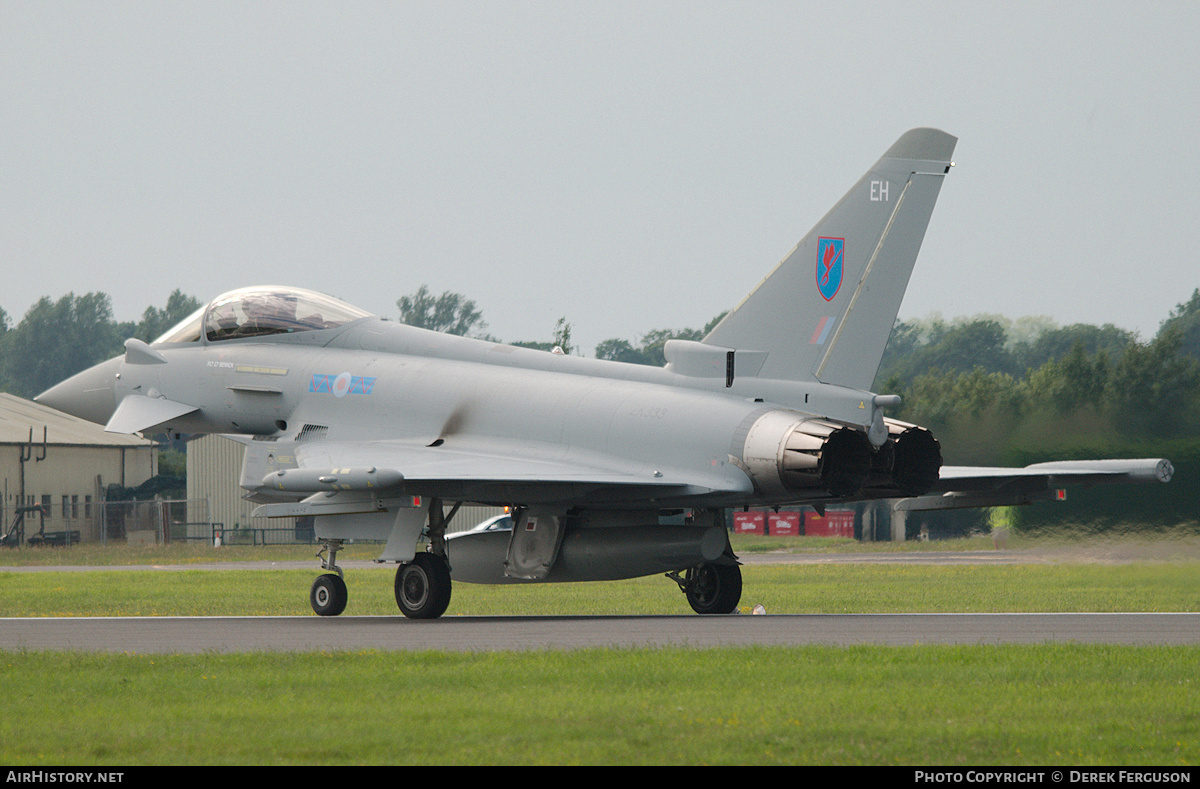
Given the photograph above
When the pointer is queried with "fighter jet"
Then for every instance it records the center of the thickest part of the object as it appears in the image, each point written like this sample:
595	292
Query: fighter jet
379	430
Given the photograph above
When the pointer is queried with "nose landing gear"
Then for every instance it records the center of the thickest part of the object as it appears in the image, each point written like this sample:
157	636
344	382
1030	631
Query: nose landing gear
328	595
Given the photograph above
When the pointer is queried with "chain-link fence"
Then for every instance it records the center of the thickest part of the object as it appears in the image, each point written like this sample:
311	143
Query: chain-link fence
71	521
47	521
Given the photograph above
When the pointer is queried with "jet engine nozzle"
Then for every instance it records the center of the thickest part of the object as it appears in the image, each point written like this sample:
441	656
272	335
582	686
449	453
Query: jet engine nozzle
917	458
909	463
785	453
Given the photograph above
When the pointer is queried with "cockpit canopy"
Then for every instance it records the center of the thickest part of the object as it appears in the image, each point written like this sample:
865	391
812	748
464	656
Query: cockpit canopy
259	311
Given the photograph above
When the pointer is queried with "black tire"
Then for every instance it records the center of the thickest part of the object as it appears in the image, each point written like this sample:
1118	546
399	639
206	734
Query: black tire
423	587
328	595
714	588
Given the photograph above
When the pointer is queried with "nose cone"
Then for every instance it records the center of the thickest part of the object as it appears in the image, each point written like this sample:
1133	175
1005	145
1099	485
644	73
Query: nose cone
88	395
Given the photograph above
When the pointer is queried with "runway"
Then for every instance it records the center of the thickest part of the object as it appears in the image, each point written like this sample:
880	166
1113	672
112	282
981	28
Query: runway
147	635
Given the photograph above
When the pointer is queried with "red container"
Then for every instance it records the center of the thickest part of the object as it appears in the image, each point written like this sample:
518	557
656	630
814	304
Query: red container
836	523
748	522
784	523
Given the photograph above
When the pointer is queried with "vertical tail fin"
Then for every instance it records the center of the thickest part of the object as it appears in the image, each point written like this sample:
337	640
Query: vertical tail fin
827	310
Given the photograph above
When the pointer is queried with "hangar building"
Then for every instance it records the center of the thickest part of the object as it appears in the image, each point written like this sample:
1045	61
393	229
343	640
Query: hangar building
63	465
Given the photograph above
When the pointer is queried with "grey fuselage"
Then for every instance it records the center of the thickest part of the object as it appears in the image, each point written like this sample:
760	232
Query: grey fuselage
685	434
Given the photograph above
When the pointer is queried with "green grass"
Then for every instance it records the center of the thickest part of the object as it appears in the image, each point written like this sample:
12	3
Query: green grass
790	589
925	705
1077	705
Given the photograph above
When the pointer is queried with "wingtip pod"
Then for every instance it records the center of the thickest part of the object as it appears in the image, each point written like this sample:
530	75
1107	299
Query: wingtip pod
1140	469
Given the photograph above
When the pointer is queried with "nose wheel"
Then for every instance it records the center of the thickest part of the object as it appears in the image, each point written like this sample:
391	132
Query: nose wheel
328	595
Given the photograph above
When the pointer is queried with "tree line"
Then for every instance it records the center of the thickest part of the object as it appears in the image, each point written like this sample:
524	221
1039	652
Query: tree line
991	387
57	339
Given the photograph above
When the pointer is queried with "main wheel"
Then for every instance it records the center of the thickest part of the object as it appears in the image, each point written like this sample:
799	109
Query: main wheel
714	588
423	587
328	595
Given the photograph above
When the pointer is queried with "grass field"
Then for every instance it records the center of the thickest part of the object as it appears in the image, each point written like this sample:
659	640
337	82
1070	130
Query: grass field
791	589
929	705
1059	705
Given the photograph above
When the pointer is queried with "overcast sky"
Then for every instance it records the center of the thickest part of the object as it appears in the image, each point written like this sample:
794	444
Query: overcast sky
629	166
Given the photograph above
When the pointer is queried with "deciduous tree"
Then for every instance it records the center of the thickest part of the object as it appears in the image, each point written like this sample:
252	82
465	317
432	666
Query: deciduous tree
451	313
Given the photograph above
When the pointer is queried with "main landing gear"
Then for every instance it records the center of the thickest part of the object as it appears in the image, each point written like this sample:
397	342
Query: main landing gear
423	587
711	588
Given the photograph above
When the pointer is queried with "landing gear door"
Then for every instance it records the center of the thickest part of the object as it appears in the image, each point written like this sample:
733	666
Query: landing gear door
533	548
401	527
406	531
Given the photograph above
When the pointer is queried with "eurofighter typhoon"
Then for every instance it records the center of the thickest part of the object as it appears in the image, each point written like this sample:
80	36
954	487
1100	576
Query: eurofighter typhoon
379	430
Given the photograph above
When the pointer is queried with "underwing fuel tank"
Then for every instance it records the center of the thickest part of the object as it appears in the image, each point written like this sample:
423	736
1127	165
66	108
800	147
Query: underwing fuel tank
786	453
591	553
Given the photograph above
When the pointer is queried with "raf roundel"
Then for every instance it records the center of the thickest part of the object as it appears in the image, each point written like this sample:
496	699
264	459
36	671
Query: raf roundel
341	385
